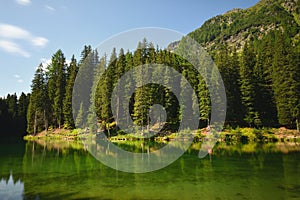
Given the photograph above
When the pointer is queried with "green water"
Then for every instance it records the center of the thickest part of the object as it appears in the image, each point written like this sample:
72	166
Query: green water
64	170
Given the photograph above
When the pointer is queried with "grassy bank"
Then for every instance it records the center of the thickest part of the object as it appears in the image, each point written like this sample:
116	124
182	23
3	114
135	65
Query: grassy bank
227	135
58	134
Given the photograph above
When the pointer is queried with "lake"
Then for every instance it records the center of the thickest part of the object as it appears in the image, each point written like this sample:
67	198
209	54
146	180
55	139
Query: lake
65	170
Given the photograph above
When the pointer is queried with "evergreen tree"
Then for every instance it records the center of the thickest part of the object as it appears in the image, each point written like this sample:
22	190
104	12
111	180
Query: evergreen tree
92	116
286	85
247	81
104	92
229	68
79	118
23	103
204	102
36	114
12	103
234	92
67	102
87	49
139	115
265	97
82	90
186	107
129	82
120	69
59	78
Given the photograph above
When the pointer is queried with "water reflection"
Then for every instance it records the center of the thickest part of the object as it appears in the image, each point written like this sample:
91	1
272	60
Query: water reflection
145	146
11	189
66	170
136	156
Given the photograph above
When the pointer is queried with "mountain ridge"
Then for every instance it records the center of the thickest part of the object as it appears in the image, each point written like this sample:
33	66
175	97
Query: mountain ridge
238	26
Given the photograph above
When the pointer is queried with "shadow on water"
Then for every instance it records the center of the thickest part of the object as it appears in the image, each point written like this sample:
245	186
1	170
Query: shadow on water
66	170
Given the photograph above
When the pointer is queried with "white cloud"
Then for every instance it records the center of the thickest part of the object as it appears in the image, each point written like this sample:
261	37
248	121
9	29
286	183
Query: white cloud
39	41
12	47
10	33
18	77
49	8
23	2
13	32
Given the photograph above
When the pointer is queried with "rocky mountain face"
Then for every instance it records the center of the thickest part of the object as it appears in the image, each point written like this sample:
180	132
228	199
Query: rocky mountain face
238	26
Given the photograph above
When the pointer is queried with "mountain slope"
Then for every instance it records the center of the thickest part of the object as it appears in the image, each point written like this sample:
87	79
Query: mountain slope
237	26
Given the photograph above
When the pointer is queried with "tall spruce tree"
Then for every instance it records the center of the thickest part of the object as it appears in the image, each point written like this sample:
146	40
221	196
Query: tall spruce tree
36	114
12	103
265	97
82	89
23	103
92	113
56	87
286	84
67	101
120	69
228	66
248	92
139	116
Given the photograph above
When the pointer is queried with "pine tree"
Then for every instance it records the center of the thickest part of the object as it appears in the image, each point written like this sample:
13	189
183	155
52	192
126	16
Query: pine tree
265	102
36	114
104	91
229	69
23	103
234	101
79	117
83	87
204	102
67	101
247	81
120	69
87	49
12	102
139	116
92	114
285	78
59	78
129	83
186	108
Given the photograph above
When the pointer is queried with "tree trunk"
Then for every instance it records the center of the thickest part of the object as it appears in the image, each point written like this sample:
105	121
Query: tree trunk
108	131
45	122
35	123
59	124
148	123
117	117
297	125
159	120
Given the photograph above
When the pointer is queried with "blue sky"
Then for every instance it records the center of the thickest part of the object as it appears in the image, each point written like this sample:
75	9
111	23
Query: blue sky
31	31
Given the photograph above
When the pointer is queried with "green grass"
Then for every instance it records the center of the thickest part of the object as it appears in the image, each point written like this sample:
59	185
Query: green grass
229	134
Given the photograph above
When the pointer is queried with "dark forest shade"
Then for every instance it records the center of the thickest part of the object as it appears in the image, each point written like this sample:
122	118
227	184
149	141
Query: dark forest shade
13	111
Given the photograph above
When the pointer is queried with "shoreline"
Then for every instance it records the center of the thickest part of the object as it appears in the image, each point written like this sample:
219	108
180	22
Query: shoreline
227	135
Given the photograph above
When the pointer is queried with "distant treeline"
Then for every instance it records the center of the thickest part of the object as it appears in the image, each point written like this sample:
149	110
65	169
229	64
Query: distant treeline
13	112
